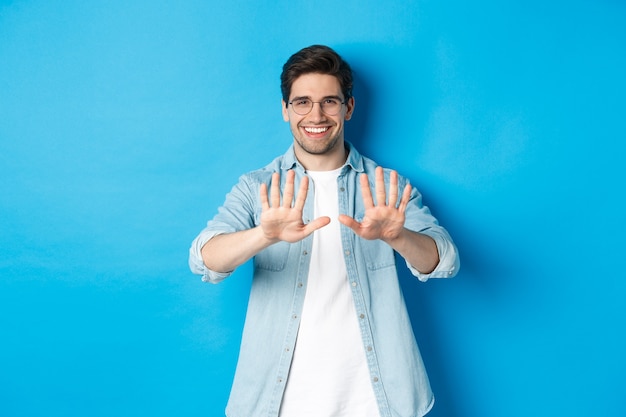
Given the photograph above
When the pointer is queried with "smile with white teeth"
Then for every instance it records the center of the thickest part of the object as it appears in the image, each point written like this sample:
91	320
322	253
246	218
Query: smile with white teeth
316	129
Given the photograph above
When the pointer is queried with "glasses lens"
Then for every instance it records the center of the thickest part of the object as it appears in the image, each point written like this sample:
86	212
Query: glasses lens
330	106
302	106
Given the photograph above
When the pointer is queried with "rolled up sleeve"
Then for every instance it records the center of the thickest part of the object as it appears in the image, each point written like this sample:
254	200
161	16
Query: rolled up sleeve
196	264
449	261
237	213
419	219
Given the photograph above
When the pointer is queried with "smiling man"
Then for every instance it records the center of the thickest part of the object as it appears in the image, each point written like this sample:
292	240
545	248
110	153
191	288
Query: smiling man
318	129
327	333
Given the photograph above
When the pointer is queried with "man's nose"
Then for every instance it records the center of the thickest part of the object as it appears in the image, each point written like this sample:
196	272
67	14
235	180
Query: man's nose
317	112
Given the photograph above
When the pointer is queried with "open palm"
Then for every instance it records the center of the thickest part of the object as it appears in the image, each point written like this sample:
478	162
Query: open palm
383	219
283	221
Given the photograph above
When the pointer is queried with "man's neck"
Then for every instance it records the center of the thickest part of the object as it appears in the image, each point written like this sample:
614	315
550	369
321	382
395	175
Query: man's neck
324	162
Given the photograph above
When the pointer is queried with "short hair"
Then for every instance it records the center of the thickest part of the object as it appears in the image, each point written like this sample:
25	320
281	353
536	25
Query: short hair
317	59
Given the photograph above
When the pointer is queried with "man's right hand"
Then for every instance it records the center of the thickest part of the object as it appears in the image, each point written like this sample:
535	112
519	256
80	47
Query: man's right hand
279	222
283	221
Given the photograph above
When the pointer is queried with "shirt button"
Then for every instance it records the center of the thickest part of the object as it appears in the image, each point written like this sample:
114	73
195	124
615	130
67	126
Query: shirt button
342	189
362	316
299	285
347	253
369	348
295	316
354	283
305	253
375	379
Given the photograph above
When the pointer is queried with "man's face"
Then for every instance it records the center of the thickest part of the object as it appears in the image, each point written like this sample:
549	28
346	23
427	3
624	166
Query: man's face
317	133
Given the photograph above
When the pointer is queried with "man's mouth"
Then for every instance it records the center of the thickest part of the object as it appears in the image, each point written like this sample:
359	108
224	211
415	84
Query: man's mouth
316	130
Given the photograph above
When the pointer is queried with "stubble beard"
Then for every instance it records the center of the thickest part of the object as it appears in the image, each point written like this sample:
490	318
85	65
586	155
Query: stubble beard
321	149
314	147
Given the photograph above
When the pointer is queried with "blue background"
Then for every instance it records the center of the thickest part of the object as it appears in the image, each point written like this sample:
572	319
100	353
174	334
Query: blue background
124	123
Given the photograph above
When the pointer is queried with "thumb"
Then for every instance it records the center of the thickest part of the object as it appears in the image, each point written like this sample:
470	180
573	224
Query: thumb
316	224
349	222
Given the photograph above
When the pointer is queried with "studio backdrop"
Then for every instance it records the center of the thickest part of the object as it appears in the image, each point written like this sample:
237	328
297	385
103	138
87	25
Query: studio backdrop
123	124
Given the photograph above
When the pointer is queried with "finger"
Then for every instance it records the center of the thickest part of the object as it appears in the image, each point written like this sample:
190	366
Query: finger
275	190
393	188
264	201
288	192
406	196
381	199
302	192
368	201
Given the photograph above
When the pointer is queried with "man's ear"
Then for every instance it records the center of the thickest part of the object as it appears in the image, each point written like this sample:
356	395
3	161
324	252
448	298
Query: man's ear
285	111
349	108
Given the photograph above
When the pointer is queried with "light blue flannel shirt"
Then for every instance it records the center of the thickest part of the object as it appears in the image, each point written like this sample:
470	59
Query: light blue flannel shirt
279	284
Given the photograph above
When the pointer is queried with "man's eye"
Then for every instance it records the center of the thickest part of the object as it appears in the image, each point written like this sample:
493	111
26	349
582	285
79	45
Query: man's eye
301	103
331	101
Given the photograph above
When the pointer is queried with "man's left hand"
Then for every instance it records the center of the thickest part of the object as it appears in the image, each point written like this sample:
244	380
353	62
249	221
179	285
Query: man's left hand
383	219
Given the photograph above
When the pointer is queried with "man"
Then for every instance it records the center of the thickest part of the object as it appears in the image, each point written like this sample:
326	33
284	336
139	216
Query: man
327	332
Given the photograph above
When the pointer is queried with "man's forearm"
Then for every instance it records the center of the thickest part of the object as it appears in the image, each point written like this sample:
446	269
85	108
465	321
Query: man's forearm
224	253
417	249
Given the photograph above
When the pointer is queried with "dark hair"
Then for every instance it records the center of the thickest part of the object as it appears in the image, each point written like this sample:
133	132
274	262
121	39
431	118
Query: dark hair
318	59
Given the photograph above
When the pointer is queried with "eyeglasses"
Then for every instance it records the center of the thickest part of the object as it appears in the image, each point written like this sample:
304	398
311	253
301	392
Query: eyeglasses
330	106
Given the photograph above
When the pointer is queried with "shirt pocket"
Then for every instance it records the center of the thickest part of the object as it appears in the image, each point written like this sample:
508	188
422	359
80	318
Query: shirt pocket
274	258
377	253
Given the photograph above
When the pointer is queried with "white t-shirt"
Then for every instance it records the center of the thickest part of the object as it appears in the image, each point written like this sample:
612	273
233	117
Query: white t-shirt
329	376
